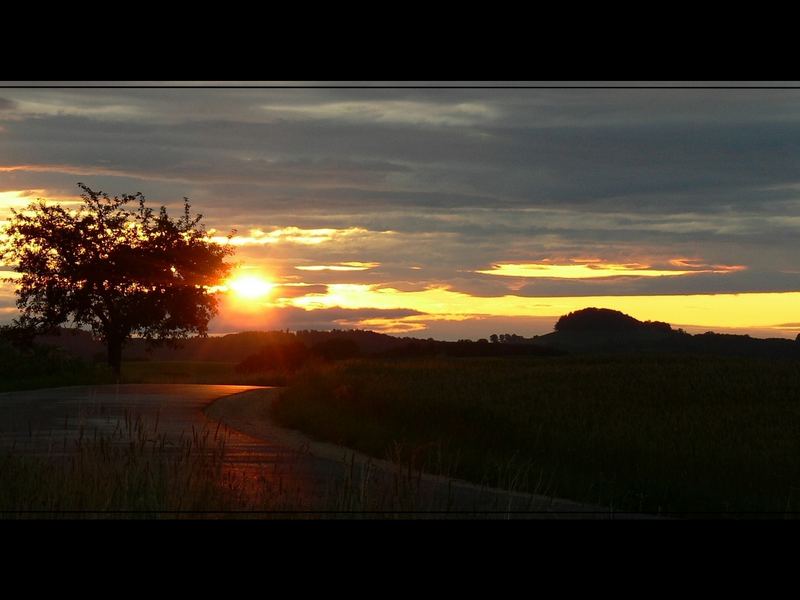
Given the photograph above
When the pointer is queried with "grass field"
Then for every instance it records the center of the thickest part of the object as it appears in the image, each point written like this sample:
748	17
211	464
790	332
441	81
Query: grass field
646	433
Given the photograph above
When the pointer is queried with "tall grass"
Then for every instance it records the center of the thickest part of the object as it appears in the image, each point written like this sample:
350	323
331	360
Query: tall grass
645	433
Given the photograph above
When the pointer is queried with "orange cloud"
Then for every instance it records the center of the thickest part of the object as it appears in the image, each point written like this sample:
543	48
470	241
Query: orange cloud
697	263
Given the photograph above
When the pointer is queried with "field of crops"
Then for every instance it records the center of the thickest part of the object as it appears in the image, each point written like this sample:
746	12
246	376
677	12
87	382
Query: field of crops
648	433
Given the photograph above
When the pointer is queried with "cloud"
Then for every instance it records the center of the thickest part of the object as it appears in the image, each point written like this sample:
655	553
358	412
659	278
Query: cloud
6	104
294	318
391	111
701	283
290	235
626	164
555	168
594	268
348	266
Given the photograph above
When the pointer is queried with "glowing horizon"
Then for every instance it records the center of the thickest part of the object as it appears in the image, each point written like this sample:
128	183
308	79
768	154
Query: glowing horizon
739	310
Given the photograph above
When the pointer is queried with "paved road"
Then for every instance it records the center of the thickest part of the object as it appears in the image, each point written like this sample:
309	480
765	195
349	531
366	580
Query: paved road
48	423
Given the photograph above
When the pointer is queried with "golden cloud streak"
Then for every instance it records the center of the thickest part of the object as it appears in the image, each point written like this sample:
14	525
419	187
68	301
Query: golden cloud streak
346	266
594	268
292	235
66	169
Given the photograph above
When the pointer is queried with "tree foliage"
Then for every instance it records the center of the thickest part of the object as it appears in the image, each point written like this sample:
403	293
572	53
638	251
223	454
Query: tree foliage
116	266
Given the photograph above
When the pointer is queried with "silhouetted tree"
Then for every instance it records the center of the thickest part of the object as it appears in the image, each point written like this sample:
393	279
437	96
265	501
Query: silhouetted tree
509	338
120	271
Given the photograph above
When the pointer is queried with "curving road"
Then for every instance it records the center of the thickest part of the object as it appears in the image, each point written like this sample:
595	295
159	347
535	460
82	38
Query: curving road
48	422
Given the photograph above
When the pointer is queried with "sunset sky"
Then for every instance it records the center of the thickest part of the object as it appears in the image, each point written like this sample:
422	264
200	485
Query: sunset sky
448	213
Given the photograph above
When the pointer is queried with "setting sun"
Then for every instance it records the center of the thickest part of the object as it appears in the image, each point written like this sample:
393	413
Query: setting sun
250	287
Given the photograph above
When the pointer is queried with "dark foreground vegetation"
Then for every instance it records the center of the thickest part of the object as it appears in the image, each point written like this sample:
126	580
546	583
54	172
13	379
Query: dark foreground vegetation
45	367
655	433
606	410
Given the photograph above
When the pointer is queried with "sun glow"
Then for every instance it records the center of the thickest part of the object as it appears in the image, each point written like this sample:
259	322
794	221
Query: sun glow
249	286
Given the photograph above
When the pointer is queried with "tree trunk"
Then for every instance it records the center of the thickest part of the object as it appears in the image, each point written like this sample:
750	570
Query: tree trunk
115	356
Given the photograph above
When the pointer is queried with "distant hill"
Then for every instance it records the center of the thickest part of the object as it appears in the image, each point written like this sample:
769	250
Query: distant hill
606	320
605	330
